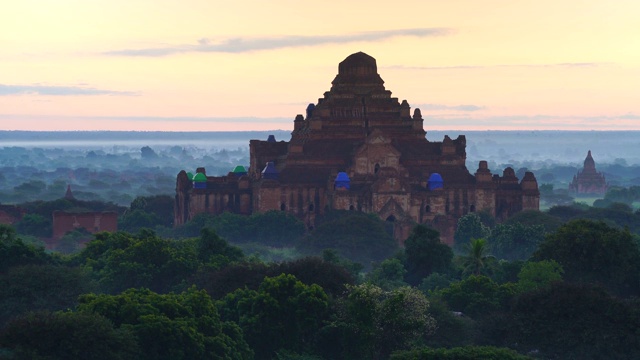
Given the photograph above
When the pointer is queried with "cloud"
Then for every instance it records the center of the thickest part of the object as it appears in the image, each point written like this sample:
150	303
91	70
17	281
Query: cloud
533	122
52	90
153	119
241	45
471	67
429	107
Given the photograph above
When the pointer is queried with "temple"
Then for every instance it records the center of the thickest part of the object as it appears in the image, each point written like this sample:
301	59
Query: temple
588	181
358	148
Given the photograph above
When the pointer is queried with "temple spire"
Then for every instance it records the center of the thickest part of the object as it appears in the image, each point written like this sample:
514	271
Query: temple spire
69	195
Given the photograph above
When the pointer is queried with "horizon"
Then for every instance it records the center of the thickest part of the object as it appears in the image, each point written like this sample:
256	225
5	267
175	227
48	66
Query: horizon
201	66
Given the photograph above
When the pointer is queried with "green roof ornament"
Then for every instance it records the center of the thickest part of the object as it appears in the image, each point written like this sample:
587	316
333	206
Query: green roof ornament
240	169
200	177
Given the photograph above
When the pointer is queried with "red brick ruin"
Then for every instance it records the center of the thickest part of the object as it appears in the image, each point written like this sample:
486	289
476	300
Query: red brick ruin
358	148
93	222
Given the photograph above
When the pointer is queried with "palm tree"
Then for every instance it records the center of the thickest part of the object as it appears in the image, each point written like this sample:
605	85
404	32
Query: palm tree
476	259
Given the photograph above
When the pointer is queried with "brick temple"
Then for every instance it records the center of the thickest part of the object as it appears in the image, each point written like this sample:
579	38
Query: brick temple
588	181
358	148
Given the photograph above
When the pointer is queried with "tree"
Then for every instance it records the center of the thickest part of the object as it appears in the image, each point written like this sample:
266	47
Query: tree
214	251
283	313
535	275
469	227
121	260
159	207
147	153
41	287
477	259
515	241
533	217
388	275
460	353
476	296
171	326
14	252
594	253
138	219
370	323
565	321
34	224
67	335
425	254
357	236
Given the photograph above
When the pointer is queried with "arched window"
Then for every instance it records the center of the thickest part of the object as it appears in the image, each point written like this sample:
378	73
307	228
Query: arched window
376	168
472	208
427	209
351	207
283	207
311	207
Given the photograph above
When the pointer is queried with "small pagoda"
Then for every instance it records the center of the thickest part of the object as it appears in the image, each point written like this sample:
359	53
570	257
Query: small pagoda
588	181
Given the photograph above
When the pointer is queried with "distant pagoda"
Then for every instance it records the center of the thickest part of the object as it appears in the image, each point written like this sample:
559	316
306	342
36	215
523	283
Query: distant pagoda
588	181
69	195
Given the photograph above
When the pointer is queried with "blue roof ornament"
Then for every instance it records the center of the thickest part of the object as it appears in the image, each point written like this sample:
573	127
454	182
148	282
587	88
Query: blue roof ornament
435	182
270	172
342	181
200	181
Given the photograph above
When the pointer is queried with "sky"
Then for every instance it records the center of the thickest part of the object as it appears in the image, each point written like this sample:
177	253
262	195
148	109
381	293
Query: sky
209	65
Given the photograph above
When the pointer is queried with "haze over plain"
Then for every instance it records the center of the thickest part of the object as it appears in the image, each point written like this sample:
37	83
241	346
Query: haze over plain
253	65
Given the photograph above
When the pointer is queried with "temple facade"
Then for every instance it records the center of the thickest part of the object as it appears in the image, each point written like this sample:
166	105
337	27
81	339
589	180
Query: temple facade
588	181
360	149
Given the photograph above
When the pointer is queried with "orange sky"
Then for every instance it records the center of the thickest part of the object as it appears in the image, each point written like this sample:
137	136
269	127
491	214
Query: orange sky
202	65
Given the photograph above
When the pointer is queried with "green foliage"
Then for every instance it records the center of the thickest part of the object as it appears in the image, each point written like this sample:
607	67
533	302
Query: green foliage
332	256
469	227
515	241
592	252
34	224
14	252
68	335
41	287
273	228
138	219
157	207
310	270
171	326
535	275
388	275
452	330
121	261
425	254
71	241
476	296
214	251
565	321
477	261
533	217
357	236
31	187
283	313
435	281
370	323
460	353
622	194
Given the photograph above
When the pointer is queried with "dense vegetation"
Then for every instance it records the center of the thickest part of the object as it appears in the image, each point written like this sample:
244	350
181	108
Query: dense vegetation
556	284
